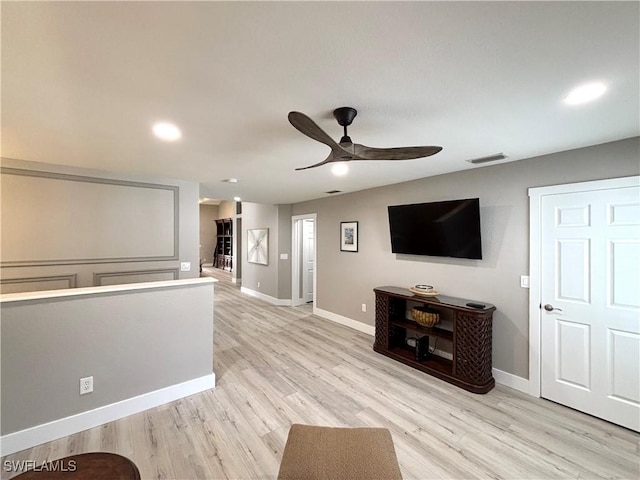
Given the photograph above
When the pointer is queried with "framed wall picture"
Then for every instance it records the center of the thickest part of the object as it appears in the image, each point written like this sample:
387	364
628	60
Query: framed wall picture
349	236
258	246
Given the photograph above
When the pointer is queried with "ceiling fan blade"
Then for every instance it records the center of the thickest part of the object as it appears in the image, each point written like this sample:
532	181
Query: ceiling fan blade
362	152
329	159
308	127
346	150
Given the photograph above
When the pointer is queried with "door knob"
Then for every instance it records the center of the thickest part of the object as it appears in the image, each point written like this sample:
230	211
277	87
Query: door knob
550	308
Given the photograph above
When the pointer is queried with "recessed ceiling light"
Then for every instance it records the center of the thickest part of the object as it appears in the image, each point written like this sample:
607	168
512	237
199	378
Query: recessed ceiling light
237	199
167	131
339	169
585	93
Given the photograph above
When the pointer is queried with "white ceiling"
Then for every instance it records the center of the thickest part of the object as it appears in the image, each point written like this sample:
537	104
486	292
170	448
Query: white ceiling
82	83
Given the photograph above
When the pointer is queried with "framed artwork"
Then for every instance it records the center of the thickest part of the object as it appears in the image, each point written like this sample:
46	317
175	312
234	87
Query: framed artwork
349	236
258	246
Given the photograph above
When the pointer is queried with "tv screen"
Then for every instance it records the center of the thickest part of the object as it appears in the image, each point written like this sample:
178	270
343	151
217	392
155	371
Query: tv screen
441	229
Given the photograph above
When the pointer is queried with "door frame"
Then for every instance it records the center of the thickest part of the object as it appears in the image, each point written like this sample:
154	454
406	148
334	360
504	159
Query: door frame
296	253
536	195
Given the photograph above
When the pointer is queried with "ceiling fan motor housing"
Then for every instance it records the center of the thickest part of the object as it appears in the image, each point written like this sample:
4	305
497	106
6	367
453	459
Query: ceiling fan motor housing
344	116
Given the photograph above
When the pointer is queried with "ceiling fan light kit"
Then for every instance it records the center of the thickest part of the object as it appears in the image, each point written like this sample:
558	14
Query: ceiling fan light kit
340	169
346	150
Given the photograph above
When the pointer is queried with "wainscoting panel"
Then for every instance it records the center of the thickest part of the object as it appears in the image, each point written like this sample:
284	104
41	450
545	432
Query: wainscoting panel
117	278
60	219
30	284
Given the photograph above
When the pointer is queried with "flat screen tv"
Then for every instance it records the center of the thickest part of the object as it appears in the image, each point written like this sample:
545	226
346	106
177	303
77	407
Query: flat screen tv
441	229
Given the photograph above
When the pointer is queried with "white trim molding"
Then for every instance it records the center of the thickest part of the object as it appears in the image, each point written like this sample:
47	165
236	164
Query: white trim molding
30	437
510	380
347	322
280	302
124	288
535	218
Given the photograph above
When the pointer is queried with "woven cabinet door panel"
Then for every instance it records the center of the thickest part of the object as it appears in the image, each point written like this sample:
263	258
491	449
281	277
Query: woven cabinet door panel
382	324
473	344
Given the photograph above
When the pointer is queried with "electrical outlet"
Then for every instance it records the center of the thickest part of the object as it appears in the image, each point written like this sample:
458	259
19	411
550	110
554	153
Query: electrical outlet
185	266
364	307
86	385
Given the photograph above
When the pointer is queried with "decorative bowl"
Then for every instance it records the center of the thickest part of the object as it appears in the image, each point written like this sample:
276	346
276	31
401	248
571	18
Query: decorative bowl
425	316
424	293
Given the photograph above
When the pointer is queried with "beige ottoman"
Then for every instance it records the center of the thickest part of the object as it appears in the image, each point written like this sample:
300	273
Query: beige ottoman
326	453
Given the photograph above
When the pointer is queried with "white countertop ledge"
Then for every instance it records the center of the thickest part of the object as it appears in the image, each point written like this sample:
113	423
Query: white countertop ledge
88	291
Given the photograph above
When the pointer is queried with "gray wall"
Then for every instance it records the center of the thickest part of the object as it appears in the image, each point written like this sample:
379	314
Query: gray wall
256	215
208	216
69	227
345	280
132	342
284	247
274	278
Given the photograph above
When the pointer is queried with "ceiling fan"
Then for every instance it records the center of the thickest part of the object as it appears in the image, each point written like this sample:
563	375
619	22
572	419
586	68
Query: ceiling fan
346	150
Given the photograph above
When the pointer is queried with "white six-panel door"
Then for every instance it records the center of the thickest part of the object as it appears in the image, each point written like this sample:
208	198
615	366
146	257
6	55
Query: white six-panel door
590	302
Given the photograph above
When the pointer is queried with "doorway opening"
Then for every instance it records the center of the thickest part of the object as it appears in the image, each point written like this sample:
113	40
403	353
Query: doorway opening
303	259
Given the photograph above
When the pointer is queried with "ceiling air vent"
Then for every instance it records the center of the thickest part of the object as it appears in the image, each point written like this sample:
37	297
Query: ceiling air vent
490	158
331	192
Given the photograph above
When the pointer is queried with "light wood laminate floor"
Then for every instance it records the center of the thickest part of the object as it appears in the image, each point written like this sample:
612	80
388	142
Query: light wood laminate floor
279	365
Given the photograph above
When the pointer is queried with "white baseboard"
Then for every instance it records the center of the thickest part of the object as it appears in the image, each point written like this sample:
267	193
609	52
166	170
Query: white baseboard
511	380
280	302
30	437
347	322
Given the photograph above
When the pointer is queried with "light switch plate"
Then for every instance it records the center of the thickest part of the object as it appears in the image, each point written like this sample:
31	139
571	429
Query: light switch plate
524	281
284	256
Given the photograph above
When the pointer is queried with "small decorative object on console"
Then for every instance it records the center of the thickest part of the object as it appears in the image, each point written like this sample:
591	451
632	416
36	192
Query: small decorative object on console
425	316
424	290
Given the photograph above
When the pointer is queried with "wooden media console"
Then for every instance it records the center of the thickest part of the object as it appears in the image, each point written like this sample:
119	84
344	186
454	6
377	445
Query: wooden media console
467	330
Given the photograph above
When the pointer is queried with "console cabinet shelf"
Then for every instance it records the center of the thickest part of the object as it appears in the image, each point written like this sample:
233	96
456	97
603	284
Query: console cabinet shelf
466	329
